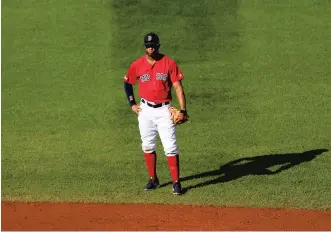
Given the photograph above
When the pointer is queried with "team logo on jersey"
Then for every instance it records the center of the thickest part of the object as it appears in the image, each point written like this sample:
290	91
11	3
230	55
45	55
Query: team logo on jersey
145	77
161	76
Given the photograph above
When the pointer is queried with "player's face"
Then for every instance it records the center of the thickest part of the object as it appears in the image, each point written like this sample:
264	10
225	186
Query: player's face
151	50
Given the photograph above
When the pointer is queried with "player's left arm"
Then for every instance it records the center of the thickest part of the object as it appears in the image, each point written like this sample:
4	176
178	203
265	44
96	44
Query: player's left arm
180	95
176	76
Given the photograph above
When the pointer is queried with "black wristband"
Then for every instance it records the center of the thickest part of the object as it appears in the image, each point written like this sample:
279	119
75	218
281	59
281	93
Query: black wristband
133	102
184	112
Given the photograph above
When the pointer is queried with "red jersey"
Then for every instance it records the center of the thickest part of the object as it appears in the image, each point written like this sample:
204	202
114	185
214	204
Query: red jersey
155	81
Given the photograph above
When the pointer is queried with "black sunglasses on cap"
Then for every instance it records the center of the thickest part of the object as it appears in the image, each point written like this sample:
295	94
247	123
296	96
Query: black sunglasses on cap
151	46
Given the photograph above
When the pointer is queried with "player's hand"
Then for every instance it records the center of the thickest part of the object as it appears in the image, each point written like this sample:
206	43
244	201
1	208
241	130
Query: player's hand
136	108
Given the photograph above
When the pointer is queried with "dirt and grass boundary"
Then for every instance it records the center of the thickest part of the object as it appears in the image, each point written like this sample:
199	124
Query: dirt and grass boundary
85	216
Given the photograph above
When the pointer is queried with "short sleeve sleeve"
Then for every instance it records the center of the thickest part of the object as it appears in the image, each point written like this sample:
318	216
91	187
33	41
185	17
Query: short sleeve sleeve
175	73
131	76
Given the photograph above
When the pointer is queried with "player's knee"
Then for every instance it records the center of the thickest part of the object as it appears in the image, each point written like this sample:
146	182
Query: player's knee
171	154
148	149
171	151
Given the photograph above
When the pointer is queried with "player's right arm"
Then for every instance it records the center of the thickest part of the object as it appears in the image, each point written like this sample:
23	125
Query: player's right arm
129	80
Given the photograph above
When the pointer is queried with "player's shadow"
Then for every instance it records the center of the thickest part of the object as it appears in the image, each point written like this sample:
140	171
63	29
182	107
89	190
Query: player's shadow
257	165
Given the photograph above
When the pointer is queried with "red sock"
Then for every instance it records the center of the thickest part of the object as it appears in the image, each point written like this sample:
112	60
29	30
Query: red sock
173	162
150	159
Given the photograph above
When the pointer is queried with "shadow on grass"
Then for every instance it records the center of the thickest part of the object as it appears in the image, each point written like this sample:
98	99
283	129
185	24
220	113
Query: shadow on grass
257	165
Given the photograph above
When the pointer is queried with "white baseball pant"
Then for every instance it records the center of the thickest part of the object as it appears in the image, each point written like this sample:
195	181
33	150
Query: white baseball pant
157	121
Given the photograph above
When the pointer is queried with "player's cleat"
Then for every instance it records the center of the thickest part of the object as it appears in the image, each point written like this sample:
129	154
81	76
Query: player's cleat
152	184
177	189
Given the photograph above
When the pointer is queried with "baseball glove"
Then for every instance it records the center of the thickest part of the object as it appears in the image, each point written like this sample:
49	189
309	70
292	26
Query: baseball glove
178	117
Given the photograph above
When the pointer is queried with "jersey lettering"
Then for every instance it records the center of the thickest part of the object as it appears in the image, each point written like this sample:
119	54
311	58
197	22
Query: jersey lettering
145	77
161	76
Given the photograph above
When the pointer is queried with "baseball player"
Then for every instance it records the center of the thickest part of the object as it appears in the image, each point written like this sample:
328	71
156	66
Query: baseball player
156	74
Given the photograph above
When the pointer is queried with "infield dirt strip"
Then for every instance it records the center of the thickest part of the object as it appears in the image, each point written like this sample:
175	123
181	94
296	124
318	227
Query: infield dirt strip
79	216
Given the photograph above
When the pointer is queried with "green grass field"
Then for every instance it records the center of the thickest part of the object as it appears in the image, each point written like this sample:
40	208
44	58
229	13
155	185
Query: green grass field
258	87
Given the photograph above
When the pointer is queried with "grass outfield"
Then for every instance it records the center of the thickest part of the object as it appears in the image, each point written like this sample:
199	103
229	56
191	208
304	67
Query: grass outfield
257	84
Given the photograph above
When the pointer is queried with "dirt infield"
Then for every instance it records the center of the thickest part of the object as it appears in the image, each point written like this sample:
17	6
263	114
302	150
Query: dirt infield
68	216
